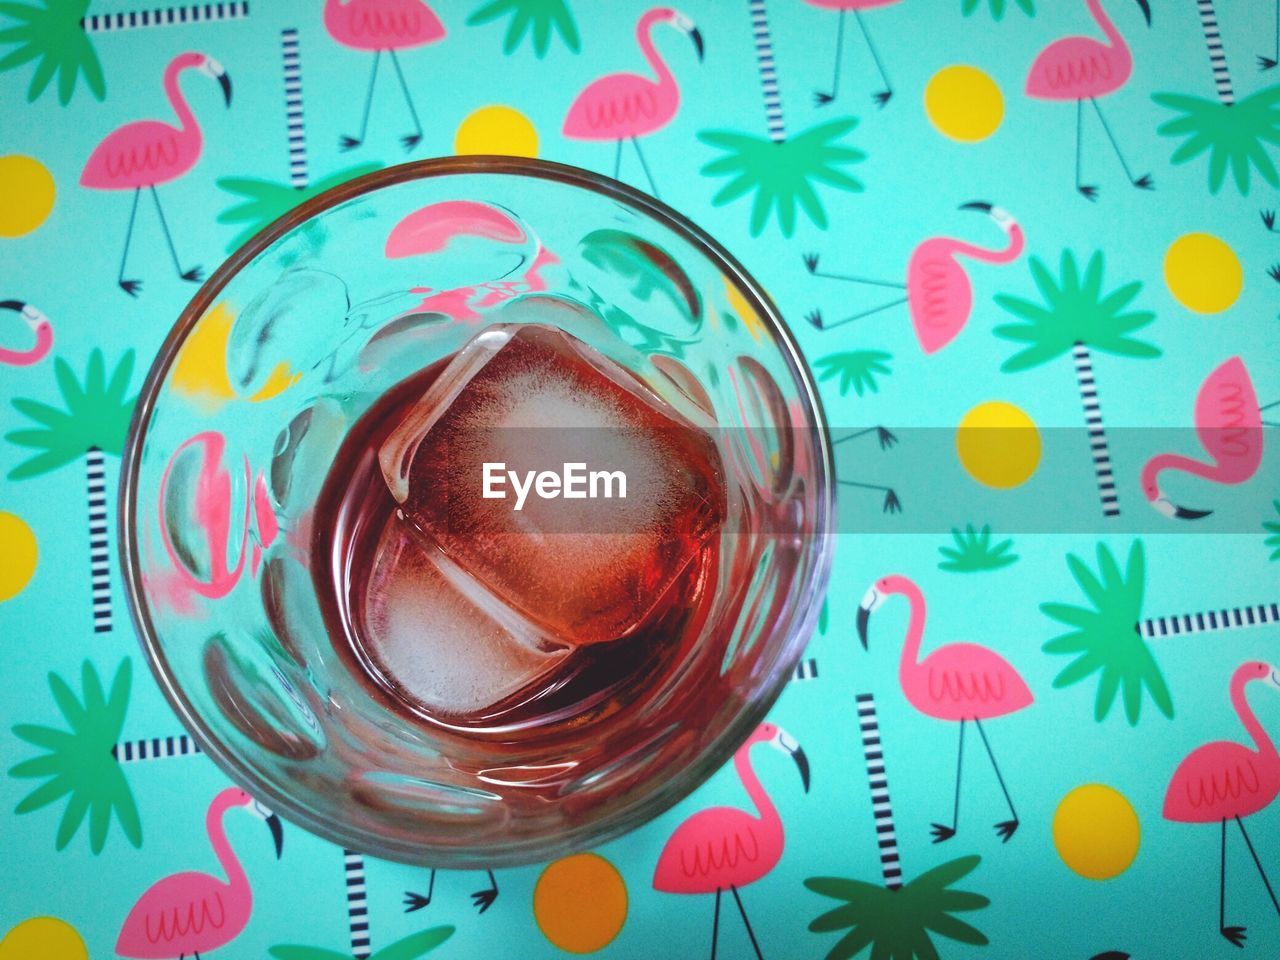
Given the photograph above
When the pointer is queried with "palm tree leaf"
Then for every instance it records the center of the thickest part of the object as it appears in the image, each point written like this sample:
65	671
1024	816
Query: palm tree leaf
948	926
21	11
1079	669
42	463
841	888
1109	570
415	945
1108	686
962	901
99	821
1073	642
37	439
40	77
841	918
1159	690
1068	613
95	701
48	738
851	944
44	795
291	951
1087	581
72	816
67	702
489	11
45	765
947	873
126	810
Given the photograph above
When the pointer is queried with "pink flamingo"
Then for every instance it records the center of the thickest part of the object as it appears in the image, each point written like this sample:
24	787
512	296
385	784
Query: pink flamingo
383	26
958	682
621	106
1229	424
937	292
821	98
1224	780
39	325
1081	68
149	152
191	912
726	847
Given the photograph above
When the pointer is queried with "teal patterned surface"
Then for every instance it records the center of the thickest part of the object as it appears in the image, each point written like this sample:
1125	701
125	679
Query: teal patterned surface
1145	270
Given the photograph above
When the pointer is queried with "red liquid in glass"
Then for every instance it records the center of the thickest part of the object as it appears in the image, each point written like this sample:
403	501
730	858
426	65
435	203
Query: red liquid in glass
465	614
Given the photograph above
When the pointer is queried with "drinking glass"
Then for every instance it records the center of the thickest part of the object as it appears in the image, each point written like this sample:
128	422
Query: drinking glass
296	336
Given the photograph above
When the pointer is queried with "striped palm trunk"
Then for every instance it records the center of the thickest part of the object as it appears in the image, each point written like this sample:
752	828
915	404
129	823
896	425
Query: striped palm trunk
99	547
806	669
1228	618
878	781
295	130
1098	448
1217	56
165	16
357	904
157	748
763	39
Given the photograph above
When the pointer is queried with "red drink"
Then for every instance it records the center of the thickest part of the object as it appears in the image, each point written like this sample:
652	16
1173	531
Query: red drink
536	609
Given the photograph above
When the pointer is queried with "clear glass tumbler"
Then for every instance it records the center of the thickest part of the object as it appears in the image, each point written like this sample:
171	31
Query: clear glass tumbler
295	337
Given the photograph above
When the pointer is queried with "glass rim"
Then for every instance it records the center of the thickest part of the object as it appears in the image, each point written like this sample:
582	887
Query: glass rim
715	754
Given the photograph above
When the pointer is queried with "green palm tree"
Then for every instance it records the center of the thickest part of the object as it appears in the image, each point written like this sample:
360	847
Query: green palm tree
1234	134
263	201
407	948
998	7
78	763
854	369
1273	528
1103	638
973	552
780	173
539	17
50	33
93	422
1074	316
902	923
897	921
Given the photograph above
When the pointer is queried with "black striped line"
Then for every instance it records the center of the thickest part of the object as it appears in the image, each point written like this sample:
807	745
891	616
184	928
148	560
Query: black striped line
99	553
1230	618
294	128
166	16
768	72
1097	434
1217	56
886	836
357	904
807	669
133	751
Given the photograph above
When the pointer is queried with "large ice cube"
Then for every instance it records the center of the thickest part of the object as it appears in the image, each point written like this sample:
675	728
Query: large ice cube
533	398
438	646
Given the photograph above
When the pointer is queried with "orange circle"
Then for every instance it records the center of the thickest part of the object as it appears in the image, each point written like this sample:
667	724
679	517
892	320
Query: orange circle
580	903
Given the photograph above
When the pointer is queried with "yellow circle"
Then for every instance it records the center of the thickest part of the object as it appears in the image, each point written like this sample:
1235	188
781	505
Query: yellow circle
1203	273
45	937
998	445
496	129
26	194
580	903
18	555
1096	832
964	103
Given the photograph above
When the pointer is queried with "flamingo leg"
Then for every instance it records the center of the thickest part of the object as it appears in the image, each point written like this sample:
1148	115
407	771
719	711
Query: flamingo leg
416	901
811	264
129	286
1258	863
891	502
819	97
884	95
1268	406
715	924
483	899
815	317
347	143
1143	182
941	831
649	176
1269	63
747	923
617	160
409	140
1006	828
886	438
195	274
1088	192
1235	935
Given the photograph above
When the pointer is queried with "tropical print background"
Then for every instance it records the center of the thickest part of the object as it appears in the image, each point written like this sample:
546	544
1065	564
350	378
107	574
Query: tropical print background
1134	148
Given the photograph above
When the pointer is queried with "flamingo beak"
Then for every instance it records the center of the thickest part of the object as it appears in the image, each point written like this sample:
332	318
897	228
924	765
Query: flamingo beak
1274	680
224	81
789	745
696	36
277	833
1186	513
870	601
977	205
1146	10
17	306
